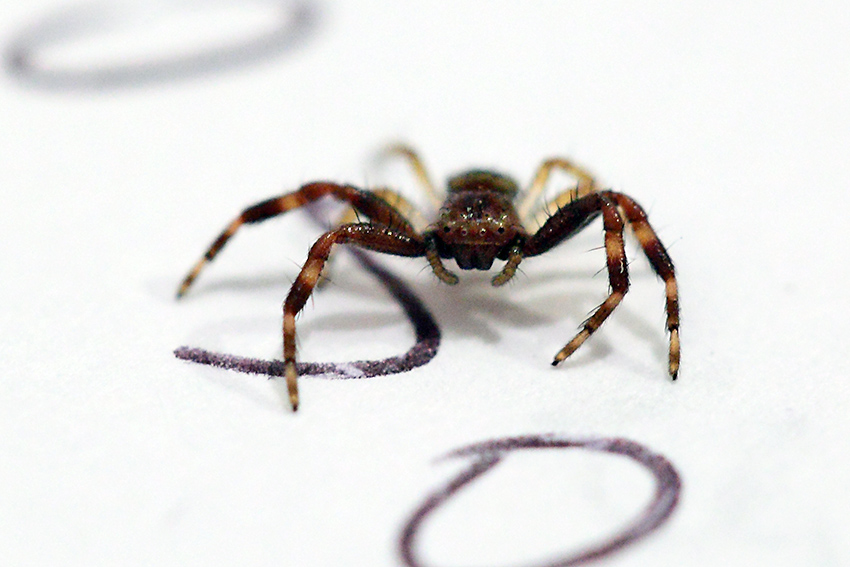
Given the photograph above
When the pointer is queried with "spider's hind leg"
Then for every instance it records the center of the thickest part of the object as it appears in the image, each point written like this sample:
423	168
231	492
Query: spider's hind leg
418	167
586	184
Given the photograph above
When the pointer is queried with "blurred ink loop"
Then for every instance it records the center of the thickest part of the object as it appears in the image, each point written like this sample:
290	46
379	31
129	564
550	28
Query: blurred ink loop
487	455
129	44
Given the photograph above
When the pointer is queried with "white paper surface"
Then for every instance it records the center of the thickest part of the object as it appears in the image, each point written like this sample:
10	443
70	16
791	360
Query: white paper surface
729	123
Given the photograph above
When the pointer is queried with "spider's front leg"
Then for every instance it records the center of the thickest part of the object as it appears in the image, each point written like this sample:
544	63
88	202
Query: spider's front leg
661	263
566	222
575	216
364	202
365	235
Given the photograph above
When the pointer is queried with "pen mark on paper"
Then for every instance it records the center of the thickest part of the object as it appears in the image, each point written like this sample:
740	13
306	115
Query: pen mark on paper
488	454
424	349
28	56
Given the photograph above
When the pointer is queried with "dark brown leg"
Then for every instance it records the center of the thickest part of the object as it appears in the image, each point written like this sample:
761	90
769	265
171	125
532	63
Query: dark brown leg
363	202
660	262
618	277
369	236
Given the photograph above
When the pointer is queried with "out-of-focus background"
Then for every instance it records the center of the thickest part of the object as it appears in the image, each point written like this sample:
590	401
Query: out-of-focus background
132	133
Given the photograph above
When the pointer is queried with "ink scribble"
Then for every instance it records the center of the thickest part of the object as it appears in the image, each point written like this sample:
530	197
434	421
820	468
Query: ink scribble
488	454
25	56
423	350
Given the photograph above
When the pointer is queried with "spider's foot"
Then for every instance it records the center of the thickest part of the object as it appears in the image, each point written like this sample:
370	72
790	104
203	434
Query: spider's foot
571	347
291	383
674	353
184	286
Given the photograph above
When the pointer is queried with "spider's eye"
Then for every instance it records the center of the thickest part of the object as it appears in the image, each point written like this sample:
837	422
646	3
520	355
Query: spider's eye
446	229
463	232
501	230
483	232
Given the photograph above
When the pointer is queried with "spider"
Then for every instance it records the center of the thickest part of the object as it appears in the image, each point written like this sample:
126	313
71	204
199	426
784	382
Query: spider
482	219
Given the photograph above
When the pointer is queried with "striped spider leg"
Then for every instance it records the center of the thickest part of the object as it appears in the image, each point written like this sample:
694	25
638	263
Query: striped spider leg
478	222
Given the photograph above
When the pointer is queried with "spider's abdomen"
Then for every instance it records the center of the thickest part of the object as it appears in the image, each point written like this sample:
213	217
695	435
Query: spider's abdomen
481	180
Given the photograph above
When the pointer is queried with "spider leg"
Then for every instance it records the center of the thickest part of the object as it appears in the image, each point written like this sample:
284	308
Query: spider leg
566	222
365	235
395	200
586	184
419	170
366	203
535	220
404	207
661	263
575	216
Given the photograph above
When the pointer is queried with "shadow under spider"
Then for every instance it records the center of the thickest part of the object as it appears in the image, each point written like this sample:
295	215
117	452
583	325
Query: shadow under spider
424	349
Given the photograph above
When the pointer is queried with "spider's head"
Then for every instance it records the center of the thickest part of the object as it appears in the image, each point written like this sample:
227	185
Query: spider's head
475	227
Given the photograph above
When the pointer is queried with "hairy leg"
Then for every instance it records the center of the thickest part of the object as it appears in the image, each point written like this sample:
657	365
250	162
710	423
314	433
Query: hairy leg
586	184
660	261
418	169
365	235
366	203
618	277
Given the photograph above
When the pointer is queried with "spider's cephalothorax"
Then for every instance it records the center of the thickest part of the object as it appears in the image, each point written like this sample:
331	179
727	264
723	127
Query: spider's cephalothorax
478	223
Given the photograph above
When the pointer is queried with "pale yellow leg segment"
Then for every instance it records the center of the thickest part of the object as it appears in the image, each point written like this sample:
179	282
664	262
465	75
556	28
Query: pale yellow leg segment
673	326
592	324
586	183
290	373
418	169
210	254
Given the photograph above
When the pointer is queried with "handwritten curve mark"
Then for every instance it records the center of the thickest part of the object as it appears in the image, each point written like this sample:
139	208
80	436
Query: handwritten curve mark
298	20
423	350
488	454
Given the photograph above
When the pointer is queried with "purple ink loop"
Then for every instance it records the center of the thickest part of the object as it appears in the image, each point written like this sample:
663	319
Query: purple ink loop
488	454
423	350
179	40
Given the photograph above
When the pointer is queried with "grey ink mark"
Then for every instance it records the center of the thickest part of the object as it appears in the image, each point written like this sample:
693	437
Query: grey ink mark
488	454
424	349
24	57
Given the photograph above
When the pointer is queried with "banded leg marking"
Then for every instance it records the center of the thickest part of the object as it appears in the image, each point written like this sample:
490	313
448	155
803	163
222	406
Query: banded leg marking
366	203
372	237
661	263
618	277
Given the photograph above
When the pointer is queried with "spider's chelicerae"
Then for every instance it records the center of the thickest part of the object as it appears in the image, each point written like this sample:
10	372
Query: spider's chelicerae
478	222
